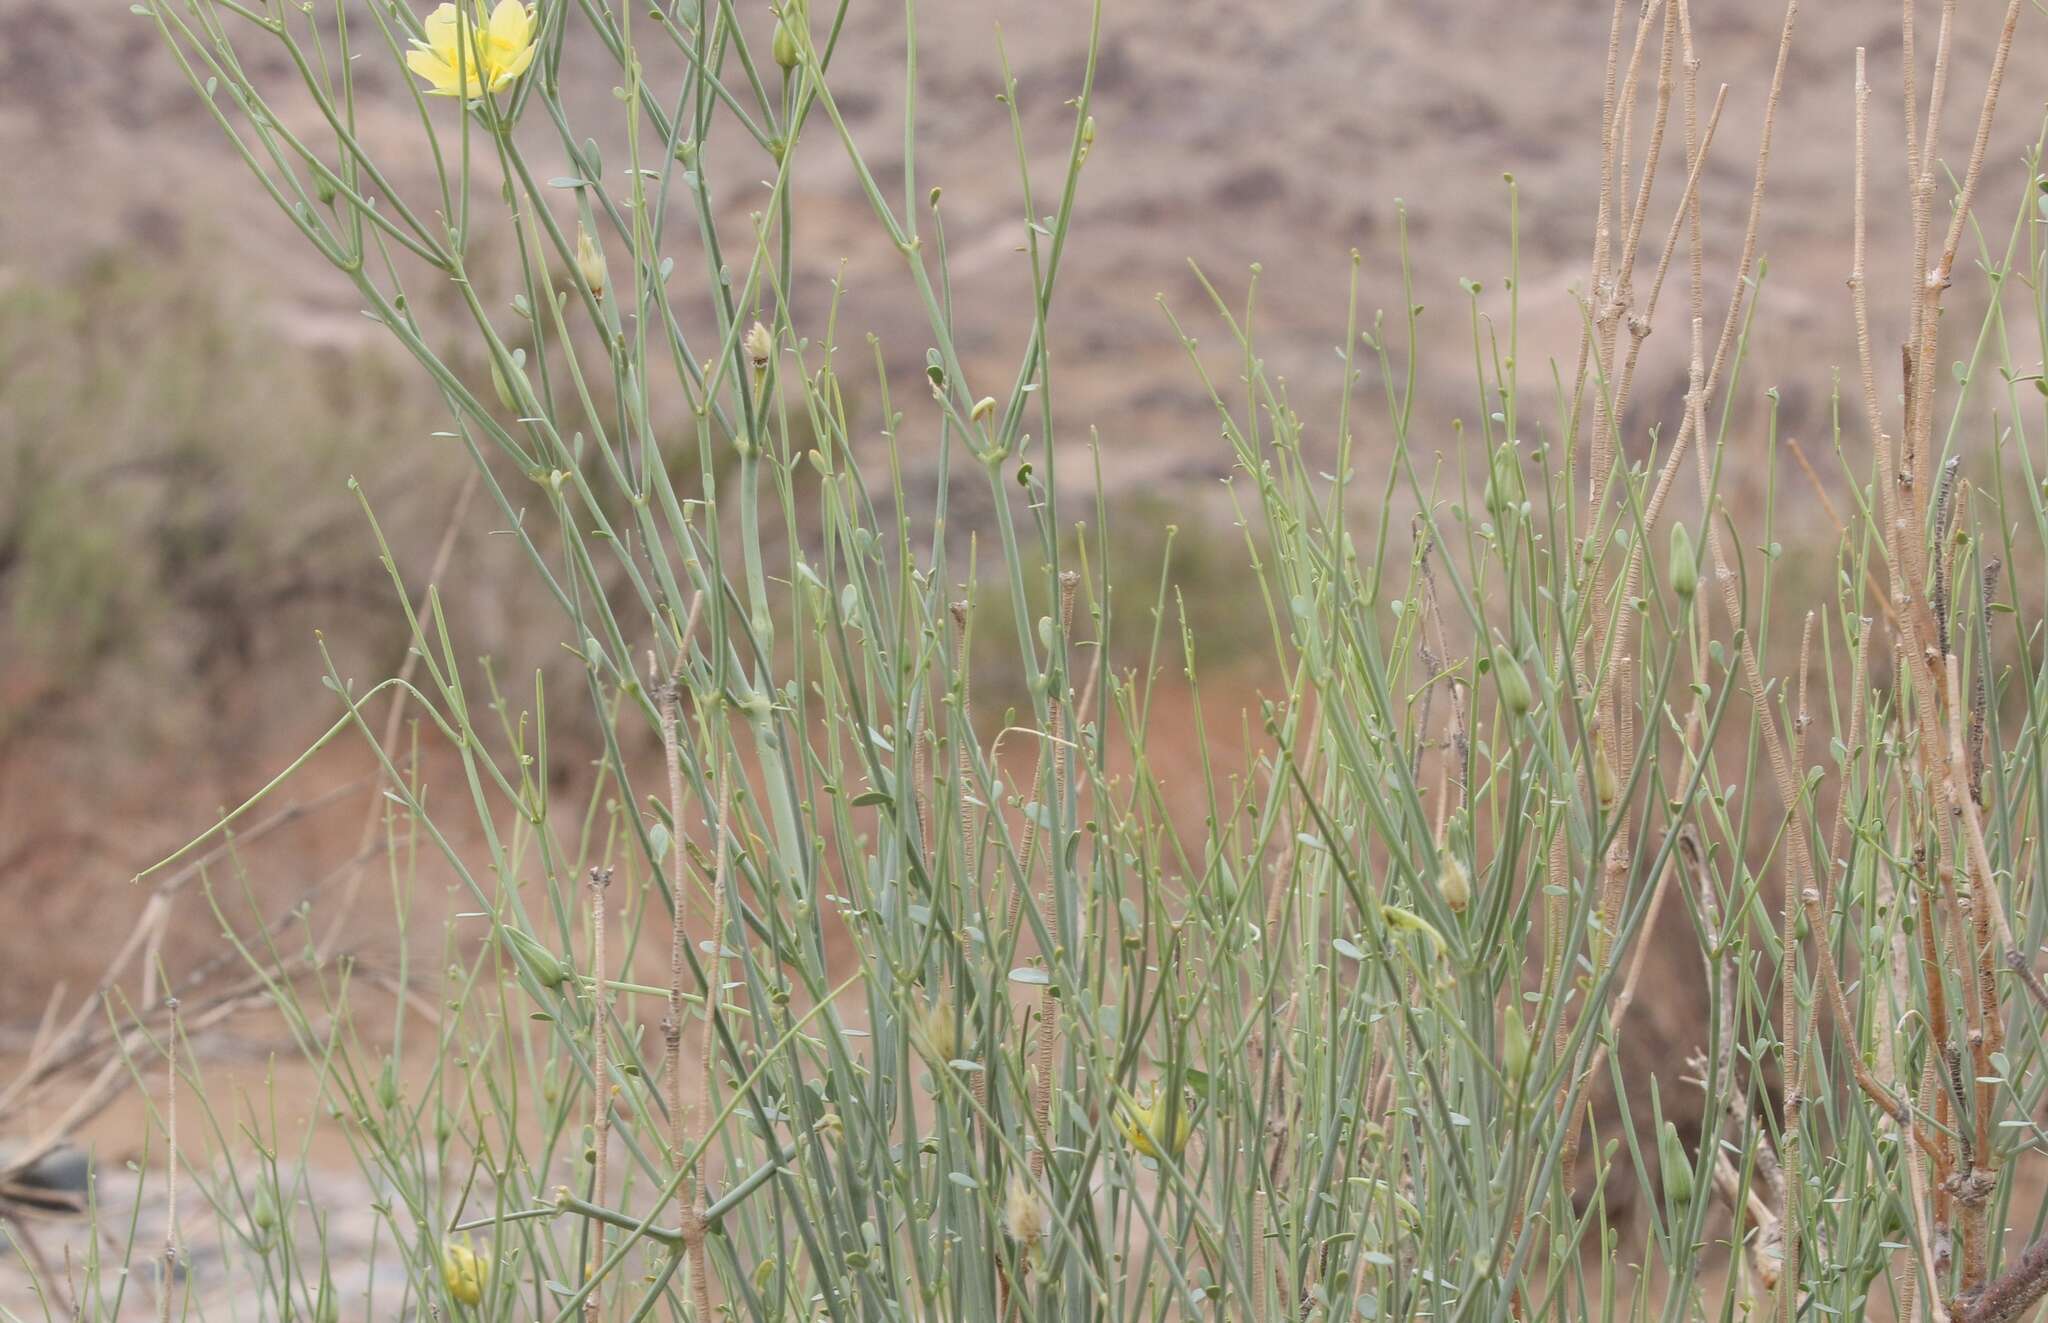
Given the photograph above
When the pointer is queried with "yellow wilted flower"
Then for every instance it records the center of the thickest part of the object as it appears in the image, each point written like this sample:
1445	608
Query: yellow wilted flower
1144	1124
468	57
1023	1211
464	1272
1455	882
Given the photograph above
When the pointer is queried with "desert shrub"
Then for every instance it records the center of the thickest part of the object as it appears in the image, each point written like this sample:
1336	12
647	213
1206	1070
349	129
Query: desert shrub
811	1006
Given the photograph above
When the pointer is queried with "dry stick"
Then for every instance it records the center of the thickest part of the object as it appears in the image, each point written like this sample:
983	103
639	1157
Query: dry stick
1813	479
1607	291
1909	551
1603	231
1937	280
1985	908
1557	877
1668	474
1617	861
1932	282
1612	404
1624	296
1923	1187
1637	959
600	1072
1787	788
155	913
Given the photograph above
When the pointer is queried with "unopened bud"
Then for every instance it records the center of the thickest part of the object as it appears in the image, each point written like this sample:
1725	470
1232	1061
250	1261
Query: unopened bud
1514	1045
590	262
1677	1167
1606	786
1504	490
502	383
1685	570
547	969
1513	684
786	53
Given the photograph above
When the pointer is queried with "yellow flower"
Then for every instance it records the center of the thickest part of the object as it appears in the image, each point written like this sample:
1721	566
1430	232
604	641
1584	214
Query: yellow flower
1144	1124
468	57
464	1271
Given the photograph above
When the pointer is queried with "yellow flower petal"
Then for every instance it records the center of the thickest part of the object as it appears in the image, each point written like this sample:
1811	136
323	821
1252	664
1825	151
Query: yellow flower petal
517	65
431	66
511	27
439	27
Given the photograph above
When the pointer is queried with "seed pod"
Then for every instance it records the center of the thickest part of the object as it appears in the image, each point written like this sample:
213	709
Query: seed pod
1606	786
1455	882
502	384
1513	684
786	53
547	968
262	1212
1677	1167
1685	570
1514	1046
590	262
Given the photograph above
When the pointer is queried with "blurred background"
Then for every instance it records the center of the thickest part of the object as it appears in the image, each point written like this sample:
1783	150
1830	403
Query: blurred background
185	388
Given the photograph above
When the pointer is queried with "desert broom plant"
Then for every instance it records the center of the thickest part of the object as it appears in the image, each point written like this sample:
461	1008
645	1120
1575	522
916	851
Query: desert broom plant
924	1041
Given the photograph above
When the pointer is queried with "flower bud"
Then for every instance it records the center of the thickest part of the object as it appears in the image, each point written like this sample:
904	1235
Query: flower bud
786	53
546	967
1606	786
1504	491
1513	684
590	262
1514	1045
1676	1166
1685	570
502	384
